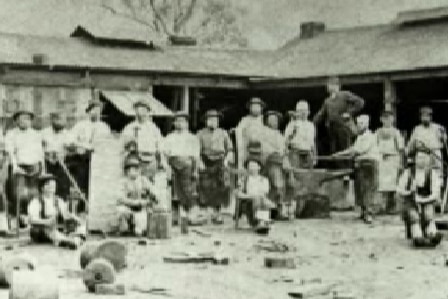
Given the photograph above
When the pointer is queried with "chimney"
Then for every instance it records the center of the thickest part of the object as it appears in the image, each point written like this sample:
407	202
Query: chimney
311	29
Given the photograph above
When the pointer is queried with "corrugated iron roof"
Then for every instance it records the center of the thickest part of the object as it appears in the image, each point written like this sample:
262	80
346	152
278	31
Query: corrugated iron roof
363	50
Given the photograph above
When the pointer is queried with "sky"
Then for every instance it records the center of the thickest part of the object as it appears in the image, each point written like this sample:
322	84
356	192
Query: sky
268	24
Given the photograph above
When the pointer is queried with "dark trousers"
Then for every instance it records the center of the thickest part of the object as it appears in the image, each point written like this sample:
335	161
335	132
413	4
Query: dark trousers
214	185
62	181
23	187
340	138
79	167
366	184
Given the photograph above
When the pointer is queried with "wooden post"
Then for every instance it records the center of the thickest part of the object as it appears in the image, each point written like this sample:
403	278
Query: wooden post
185	100
390	96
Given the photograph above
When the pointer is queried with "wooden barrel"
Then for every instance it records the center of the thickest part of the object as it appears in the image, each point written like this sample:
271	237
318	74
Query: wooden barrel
113	251
98	271
38	284
22	262
159	224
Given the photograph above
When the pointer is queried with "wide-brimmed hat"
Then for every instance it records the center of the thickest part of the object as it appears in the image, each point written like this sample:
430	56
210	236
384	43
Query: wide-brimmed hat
142	103
255	101
131	162
426	110
94	103
179	114
302	105
212	113
276	113
22	111
252	159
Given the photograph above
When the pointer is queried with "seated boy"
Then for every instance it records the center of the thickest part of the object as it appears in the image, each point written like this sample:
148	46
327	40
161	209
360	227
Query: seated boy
420	188
137	196
46	214
254	192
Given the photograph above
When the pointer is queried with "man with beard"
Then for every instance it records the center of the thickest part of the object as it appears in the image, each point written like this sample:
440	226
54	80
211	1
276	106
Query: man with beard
83	137
24	147
145	137
216	152
55	139
182	150
337	113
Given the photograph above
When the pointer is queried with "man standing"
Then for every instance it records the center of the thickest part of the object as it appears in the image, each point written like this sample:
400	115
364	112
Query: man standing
430	136
300	136
182	150
216	152
337	113
55	140
275	161
391	148
365	152
83	136
146	138
250	130
24	147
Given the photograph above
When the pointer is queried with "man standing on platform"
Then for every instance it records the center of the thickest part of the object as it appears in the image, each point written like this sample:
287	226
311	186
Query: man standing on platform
146	138
24	147
274	151
83	136
430	136
365	152
55	140
300	137
337	113
182	150
216	152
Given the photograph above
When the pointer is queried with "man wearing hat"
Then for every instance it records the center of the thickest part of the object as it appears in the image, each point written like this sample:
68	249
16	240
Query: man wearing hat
50	219
146	137
24	147
337	114
83	137
391	149
253	197
55	140
428	135
250	131
300	136
136	196
216	152
366	154
274	150
182	151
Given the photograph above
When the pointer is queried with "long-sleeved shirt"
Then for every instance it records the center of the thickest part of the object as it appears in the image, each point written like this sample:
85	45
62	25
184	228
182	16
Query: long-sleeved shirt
214	143
274	143
181	144
85	133
147	135
431	136
301	135
365	146
55	142
338	104
24	146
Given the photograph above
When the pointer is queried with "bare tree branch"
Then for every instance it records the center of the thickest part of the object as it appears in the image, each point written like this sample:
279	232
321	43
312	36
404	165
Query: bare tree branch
157	15
186	16
128	16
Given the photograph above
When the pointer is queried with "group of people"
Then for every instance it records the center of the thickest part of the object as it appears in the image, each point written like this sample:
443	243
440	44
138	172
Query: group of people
203	166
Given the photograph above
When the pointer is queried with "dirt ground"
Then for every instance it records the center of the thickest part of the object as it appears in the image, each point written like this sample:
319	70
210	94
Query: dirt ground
372	262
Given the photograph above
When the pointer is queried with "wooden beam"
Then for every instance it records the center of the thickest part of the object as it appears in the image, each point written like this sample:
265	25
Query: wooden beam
185	100
390	96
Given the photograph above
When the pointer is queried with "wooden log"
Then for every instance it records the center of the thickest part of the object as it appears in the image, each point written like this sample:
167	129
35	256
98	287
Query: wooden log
98	271
113	251
22	262
110	289
279	262
34	285
311	290
164	223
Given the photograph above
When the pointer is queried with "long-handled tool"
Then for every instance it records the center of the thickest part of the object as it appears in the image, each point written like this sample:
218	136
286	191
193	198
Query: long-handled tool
72	180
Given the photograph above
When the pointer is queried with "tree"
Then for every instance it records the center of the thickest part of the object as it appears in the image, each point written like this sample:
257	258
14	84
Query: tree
211	22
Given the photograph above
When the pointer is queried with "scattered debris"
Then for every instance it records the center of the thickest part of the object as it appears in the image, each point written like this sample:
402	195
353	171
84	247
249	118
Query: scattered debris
279	262
284	279
217	243
154	291
142	242
343	295
201	233
272	246
191	258
71	274
8	247
311	290
110	289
